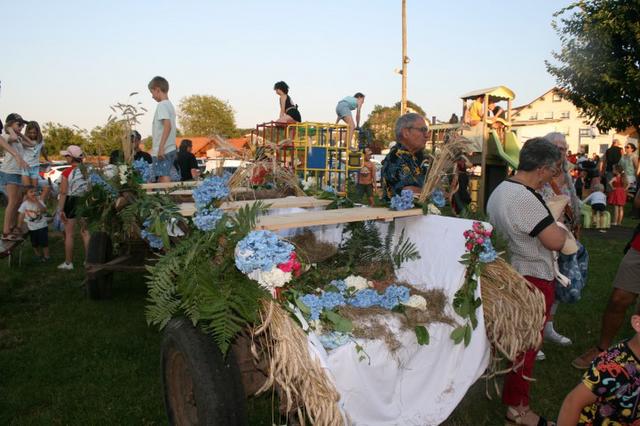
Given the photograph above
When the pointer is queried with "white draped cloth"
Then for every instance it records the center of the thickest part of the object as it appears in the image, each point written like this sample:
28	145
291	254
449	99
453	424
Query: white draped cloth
416	385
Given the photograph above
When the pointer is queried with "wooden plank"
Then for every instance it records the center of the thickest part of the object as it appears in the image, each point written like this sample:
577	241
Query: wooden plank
331	217
185	192
169	185
188	209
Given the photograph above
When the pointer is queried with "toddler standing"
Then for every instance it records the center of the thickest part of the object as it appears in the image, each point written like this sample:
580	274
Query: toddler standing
31	212
598	201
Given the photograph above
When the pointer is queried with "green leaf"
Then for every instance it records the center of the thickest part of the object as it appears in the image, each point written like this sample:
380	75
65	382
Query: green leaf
422	335
457	335
339	322
467	335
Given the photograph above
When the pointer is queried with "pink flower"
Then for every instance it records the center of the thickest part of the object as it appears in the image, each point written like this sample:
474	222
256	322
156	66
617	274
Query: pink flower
487	233
480	240
477	226
291	265
469	246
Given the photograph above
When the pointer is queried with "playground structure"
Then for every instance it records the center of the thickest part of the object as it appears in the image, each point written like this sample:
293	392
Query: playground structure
316	151
494	146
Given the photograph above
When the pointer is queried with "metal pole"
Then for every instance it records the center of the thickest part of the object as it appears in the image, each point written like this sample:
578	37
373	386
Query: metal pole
405	59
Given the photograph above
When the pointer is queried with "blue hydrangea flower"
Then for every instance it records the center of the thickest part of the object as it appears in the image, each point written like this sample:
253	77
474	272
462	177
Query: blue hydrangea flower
212	188
437	198
261	250
332	300
96	179
340	285
144	169
330	189
393	295
365	298
488	253
314	304
404	201
206	219
154	240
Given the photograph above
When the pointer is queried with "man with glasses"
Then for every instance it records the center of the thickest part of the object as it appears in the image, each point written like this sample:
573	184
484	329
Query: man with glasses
404	167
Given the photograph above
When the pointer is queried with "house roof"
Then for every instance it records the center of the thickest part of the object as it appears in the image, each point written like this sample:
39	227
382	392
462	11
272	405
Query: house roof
518	109
202	144
500	92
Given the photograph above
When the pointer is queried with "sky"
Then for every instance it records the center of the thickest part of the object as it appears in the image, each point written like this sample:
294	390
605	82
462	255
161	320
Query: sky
68	61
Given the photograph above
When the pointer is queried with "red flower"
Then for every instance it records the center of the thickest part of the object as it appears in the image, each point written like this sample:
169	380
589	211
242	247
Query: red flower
291	265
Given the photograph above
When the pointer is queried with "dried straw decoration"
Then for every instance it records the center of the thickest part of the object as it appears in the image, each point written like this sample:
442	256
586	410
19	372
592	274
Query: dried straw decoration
299	376
514	314
443	163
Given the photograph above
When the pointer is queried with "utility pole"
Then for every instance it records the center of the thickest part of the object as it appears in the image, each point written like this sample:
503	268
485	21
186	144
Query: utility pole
405	58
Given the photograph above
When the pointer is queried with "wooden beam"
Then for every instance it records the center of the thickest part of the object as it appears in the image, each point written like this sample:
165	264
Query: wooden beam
169	185
331	217
188	209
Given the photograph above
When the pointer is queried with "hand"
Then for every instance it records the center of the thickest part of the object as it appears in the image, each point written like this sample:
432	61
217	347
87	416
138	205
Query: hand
22	164
161	153
63	218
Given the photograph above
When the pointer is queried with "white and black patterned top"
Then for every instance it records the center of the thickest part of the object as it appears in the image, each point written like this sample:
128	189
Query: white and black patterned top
519	214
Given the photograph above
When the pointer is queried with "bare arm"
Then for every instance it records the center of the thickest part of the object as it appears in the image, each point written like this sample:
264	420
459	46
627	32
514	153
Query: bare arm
573	404
283	101
166	129
64	187
553	237
358	116
7	147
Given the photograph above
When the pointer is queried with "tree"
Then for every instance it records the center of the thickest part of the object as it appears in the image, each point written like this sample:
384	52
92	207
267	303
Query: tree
599	62
107	138
381	123
58	137
206	115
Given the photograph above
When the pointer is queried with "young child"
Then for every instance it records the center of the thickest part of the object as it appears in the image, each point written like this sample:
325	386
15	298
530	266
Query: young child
610	390
618	195
31	212
163	130
31	154
598	201
367	178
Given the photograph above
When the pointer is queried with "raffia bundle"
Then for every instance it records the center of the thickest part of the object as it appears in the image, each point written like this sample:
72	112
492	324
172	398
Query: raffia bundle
298	375
443	163
514	314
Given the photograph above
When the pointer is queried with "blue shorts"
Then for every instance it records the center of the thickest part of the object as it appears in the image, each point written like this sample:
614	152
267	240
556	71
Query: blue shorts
10	178
33	172
342	109
164	167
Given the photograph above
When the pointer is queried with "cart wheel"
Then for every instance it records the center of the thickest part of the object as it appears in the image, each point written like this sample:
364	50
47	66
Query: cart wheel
100	251
201	386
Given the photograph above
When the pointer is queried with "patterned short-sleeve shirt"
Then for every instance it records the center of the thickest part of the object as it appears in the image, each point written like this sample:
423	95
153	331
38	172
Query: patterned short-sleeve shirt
401	168
519	214
614	378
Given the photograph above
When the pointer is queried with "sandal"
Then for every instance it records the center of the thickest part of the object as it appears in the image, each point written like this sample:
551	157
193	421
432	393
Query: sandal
12	237
518	418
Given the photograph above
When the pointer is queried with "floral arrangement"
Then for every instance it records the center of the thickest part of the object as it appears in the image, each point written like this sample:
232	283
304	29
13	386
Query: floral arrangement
479	250
267	259
96	179
319	308
155	241
207	219
404	201
437	198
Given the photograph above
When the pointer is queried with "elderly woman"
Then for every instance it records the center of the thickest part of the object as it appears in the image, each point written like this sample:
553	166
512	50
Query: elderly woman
520	215
562	184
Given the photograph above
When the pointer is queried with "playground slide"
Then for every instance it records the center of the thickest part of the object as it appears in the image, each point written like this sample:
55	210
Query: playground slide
510	153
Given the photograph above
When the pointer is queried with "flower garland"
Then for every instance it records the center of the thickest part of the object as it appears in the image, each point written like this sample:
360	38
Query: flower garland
333	330
267	259
479	250
404	201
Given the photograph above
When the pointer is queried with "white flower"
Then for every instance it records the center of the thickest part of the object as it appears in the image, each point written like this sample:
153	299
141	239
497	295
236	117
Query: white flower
276	277
316	325
357	282
122	172
308	183
416	301
433	209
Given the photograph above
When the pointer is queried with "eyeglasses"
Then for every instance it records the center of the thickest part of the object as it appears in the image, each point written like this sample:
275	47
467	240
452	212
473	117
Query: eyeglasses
424	129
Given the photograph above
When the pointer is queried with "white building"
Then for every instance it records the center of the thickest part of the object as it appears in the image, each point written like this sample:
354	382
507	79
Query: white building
551	113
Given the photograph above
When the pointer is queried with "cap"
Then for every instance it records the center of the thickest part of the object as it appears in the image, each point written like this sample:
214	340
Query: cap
73	151
13	118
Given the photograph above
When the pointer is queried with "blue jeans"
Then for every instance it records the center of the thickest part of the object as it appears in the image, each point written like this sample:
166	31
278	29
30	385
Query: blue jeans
163	167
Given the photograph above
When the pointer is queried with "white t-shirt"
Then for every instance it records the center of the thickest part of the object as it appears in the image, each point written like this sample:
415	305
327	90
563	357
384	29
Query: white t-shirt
164	111
9	164
33	214
596	198
31	154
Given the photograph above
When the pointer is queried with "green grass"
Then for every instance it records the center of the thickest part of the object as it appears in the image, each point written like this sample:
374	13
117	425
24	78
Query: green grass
65	359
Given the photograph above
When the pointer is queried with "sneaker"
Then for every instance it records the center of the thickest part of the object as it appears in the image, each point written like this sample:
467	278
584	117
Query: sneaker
44	259
66	266
540	356
550	335
584	361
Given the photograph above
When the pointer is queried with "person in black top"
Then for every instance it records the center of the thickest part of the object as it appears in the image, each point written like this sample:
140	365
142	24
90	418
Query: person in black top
461	197
612	157
288	111
136	140
186	162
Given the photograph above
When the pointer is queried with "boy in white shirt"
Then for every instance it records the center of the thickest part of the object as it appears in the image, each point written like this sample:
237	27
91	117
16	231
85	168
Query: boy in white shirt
163	130
31	212
598	201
